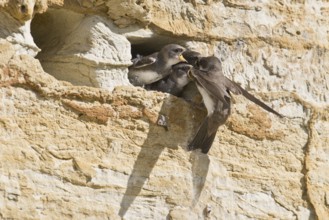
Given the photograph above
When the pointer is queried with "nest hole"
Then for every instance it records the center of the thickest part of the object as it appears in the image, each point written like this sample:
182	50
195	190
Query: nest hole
153	44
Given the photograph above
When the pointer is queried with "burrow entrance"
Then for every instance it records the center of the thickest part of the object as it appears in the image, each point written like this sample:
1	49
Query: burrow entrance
63	35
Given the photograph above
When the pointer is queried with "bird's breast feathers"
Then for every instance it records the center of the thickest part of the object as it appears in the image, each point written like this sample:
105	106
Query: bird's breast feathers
182	80
207	100
145	75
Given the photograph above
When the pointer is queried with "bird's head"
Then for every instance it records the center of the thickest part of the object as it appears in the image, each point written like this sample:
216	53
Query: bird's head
172	54
207	64
180	74
181	69
191	56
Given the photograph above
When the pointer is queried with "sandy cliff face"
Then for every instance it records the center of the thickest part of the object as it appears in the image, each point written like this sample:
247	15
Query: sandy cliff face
77	141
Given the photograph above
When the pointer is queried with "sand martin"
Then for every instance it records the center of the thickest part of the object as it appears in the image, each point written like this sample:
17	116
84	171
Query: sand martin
215	89
175	82
149	69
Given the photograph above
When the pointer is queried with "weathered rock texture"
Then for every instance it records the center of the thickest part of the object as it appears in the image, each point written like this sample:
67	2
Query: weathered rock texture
82	49
69	151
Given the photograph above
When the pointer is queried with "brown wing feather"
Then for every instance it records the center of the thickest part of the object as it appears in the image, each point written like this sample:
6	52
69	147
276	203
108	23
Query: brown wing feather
211	82
236	89
141	61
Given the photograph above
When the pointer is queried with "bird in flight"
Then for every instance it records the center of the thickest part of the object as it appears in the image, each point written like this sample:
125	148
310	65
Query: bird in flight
215	90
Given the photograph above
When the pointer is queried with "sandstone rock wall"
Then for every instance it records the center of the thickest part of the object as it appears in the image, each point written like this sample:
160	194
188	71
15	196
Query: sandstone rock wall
90	147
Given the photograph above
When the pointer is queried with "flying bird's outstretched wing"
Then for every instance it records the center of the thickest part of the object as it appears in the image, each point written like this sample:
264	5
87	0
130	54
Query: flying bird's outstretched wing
211	82
215	89
238	90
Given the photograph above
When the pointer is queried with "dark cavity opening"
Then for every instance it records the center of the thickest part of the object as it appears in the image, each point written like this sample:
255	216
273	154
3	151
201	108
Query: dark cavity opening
148	46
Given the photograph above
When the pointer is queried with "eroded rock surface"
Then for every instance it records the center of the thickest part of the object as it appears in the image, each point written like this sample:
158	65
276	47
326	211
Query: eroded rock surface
70	150
82	49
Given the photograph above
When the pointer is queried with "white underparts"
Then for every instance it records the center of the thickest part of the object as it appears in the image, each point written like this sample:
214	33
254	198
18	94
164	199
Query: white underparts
148	76
182	81
207	99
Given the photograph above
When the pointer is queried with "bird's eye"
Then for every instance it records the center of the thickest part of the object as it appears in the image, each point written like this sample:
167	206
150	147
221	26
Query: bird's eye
178	50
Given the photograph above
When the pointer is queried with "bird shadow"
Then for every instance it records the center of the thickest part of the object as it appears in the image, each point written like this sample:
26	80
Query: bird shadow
159	138
200	167
144	164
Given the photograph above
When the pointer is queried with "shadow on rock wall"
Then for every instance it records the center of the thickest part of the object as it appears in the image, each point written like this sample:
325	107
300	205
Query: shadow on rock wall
159	138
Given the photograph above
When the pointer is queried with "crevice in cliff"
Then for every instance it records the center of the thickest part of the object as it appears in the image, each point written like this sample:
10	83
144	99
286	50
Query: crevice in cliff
306	165
85	50
90	50
153	44
55	33
42	28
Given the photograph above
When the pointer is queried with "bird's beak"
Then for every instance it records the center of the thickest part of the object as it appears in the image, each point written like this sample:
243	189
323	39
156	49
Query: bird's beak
181	58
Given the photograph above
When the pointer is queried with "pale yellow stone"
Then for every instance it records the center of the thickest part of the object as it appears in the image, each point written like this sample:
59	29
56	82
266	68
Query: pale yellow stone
79	152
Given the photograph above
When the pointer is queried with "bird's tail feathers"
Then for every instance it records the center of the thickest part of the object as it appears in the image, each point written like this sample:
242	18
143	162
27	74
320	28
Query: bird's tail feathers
246	94
202	140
